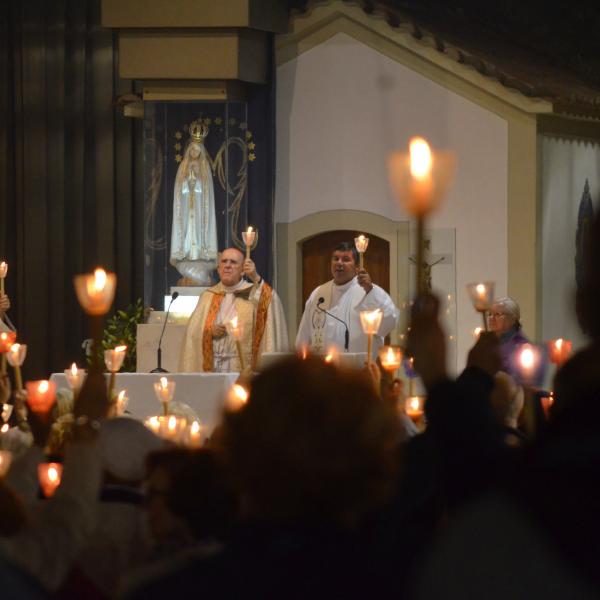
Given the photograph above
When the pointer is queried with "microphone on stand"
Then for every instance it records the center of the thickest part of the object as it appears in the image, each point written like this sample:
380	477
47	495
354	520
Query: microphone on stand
347	333
159	368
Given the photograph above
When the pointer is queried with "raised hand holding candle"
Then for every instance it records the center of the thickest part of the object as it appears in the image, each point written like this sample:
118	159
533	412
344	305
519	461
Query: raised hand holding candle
113	359
95	291
415	408
528	359
419	180
390	357
75	378
164	390
49	475
3	274
560	351
41	396
16	356
370	321
361	242
250	237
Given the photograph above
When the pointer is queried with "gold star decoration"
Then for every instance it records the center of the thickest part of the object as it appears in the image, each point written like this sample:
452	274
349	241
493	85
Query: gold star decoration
251	156
248	135
251	146
218	120
178	158
177	146
178	135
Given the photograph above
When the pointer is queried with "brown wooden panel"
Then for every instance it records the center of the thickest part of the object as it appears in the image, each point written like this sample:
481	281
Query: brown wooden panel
316	259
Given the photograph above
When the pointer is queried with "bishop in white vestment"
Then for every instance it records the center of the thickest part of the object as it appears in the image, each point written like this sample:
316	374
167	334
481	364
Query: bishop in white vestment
345	296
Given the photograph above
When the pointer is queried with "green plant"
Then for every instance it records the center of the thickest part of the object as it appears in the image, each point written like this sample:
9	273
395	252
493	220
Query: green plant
121	329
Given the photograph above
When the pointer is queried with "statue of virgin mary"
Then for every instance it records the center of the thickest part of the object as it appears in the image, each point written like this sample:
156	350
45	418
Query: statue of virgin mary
194	231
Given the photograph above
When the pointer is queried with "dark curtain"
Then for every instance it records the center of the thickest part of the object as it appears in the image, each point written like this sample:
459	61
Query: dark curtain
70	191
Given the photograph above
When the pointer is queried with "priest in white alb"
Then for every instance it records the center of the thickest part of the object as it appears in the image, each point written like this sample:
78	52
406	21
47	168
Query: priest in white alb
209	345
344	297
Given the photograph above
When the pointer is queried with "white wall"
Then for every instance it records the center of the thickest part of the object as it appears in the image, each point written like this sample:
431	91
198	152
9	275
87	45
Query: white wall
565	167
342	107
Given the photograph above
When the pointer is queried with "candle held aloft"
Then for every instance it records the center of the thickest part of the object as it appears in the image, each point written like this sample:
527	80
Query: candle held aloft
390	358
164	390
113	359
75	378
95	291
361	243
16	356
237	397
3	274
250	238
41	396
559	350
415	408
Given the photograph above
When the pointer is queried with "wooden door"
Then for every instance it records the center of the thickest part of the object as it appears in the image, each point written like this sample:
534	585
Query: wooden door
316	259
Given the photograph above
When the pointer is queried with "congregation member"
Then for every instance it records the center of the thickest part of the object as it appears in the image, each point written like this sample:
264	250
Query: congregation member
208	345
505	322
4	306
349	292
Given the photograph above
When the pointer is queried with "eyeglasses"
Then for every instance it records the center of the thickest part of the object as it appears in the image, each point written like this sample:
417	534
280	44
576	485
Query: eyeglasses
497	315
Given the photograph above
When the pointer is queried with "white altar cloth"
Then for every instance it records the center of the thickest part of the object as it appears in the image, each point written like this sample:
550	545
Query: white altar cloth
203	392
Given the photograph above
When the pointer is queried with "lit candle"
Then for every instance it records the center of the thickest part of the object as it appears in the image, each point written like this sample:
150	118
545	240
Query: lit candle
477	332
3	274
250	238
332	356
235	331
237	397
5	462
303	352
482	296
361	242
95	291
164	390
41	396
16	357
415	408
528	360
559	351
49	475
4	428
153	424
114	358
370	321
547	402
7	339
390	357
75	378
122	402
172	428
195	433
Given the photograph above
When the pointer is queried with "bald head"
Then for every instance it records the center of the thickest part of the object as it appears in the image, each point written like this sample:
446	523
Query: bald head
230	266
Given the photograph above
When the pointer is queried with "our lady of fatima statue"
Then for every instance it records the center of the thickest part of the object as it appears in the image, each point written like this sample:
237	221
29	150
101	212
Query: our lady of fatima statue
194	231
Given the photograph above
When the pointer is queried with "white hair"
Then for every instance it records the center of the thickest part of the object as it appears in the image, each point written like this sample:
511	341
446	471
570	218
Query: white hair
511	308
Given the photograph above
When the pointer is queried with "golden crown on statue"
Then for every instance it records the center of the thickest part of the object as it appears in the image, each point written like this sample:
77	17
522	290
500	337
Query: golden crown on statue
198	130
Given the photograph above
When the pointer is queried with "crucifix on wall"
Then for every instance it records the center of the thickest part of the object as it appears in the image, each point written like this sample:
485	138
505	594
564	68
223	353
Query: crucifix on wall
435	259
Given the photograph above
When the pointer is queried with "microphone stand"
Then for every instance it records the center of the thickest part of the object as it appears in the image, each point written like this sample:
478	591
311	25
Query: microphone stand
159	368
346	333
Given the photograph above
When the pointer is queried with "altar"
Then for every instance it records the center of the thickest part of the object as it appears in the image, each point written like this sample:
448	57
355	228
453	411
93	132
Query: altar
203	392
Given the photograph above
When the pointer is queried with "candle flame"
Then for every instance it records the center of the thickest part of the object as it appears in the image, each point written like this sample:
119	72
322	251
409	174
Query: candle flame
4	428
172	423
477	331
558	343
240	392
43	386
390	357
414	403
154	422
99	279
164	383
480	289
249	229
3	336
52	474
234	322
74	370
121	395
420	158
372	316
15	348
527	358
195	428
120	348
